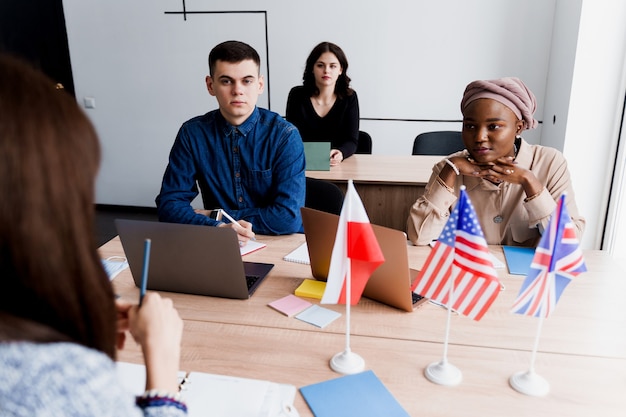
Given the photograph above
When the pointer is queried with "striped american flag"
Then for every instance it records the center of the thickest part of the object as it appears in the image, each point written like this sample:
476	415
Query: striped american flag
558	259
460	254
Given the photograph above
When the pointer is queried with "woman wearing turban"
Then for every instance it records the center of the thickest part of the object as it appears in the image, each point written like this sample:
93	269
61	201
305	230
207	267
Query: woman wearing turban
513	185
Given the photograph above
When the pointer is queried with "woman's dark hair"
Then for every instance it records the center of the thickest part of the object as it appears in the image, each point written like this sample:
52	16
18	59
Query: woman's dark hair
51	275
342	87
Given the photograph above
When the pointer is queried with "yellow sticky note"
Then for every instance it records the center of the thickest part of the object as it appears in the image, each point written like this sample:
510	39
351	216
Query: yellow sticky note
311	288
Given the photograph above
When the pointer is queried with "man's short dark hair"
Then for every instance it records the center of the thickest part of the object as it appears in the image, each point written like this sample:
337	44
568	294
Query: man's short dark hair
233	52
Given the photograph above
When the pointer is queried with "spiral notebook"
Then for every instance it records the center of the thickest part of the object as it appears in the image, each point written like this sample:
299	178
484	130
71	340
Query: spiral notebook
218	395
299	255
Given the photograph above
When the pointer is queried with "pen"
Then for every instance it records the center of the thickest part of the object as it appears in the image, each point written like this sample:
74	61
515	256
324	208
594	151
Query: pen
230	219
144	271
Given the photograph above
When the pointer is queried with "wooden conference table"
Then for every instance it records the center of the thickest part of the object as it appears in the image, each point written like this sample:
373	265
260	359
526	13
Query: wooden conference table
581	352
388	185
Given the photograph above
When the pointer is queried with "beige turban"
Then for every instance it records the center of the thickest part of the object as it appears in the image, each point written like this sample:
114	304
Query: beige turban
509	91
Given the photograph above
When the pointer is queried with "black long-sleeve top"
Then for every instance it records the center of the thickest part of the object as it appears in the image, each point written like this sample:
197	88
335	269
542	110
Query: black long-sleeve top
340	126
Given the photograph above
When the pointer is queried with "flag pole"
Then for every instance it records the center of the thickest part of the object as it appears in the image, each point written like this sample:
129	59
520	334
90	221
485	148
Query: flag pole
529	382
443	372
447	337
347	362
348	286
348	302
460	259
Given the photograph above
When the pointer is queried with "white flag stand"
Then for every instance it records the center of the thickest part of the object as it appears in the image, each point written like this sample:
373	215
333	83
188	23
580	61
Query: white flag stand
443	372
528	382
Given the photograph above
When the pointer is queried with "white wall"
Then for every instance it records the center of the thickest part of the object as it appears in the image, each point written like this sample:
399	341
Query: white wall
560	72
413	59
146	72
409	60
595	107
615	237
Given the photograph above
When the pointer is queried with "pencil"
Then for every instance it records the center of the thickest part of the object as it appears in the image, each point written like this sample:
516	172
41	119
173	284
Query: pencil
230	219
144	271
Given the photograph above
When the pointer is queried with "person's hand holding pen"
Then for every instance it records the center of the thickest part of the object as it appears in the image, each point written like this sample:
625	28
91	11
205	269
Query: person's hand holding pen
242	227
156	326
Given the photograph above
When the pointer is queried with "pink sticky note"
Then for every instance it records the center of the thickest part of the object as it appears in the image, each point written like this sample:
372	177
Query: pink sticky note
290	305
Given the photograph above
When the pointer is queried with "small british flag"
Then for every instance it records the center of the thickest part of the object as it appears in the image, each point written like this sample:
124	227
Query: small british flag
558	259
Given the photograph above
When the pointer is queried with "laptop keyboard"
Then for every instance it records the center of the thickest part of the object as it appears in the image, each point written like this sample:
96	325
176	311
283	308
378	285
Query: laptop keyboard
251	279
416	297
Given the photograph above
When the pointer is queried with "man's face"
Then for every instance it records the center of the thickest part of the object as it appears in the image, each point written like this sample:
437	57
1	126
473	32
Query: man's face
237	87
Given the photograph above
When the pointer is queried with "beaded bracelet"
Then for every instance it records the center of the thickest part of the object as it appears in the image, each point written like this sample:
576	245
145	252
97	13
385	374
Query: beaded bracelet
157	398
454	168
155	393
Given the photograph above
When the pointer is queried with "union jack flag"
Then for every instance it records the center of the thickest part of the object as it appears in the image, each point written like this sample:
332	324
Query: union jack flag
558	259
460	254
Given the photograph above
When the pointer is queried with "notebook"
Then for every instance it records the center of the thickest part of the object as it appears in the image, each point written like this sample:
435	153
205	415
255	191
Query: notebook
190	259
389	284
218	395
518	259
361	394
317	156
299	255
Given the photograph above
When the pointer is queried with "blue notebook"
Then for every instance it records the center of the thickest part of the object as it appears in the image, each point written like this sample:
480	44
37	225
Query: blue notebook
518	259
358	395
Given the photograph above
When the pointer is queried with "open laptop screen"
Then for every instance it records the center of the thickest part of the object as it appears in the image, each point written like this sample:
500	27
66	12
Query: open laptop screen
190	259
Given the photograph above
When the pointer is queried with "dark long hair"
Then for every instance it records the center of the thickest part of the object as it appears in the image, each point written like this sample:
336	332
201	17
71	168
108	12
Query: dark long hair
51	276
342	87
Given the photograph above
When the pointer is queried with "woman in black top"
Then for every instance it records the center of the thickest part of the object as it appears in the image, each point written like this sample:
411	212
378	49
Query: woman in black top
325	108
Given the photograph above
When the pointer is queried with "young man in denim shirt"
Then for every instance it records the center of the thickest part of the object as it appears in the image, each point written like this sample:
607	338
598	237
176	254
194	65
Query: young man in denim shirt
246	160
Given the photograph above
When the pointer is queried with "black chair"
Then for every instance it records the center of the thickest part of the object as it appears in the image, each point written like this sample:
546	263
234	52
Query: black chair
442	142
365	143
323	195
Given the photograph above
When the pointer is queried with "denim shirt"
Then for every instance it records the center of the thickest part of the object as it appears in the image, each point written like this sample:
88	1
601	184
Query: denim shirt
254	171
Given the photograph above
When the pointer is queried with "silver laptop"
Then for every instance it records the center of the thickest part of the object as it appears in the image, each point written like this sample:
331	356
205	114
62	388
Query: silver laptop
190	259
389	284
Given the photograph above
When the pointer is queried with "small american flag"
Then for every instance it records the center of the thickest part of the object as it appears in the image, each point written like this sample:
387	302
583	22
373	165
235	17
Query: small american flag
558	259
461	254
